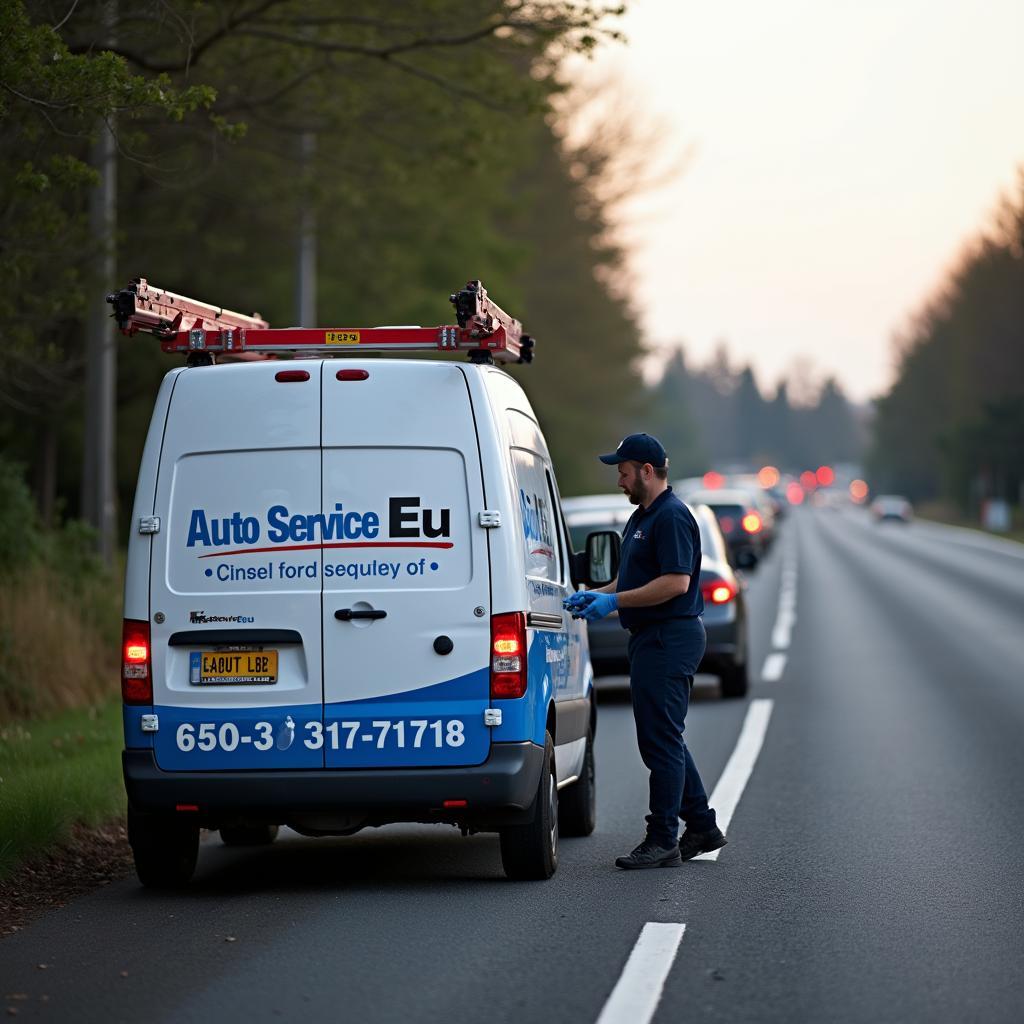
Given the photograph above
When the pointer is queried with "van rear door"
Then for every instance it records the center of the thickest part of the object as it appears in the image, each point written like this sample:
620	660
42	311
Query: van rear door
235	577
406	611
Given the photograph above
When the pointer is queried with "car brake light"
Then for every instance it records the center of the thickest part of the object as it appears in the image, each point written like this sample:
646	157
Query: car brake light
136	677
508	655
291	376
717	591
752	522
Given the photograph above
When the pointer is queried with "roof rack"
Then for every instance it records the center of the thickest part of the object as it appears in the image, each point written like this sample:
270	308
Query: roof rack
204	333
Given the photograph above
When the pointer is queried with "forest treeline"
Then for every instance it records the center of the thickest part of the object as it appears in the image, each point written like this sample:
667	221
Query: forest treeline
953	422
716	416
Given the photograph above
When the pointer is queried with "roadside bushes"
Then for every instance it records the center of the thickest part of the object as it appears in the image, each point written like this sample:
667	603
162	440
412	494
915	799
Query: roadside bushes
59	611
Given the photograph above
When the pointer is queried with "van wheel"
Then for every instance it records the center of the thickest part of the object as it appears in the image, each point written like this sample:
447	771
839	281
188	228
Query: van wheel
530	852
248	835
577	804
164	848
734	681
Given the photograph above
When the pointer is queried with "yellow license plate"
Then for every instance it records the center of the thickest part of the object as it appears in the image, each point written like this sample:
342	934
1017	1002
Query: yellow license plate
224	667
341	337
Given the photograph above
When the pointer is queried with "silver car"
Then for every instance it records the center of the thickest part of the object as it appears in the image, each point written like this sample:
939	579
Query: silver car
725	611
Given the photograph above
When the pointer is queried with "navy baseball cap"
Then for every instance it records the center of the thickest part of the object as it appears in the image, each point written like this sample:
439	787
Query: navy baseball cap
638	448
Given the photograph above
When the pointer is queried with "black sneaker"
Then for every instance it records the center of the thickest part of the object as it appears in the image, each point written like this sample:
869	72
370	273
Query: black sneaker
649	855
694	843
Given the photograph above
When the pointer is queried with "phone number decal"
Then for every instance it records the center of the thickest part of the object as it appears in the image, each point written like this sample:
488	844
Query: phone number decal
379	734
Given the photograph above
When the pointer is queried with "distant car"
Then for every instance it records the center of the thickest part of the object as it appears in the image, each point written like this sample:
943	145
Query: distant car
765	502
892	508
742	522
725	610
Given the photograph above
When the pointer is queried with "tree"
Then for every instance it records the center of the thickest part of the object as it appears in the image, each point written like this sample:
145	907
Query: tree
962	357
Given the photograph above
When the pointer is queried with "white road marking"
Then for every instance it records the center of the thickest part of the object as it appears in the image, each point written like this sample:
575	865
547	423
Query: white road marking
785	619
638	991
737	772
783	631
774	665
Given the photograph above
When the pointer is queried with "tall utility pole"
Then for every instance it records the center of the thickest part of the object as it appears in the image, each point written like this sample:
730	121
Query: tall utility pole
305	267
99	501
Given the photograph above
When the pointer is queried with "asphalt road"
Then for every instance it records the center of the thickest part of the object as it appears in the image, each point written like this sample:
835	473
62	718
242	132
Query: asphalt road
874	870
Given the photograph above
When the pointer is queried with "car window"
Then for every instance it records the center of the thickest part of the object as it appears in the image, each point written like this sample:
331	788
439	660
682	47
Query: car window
578	534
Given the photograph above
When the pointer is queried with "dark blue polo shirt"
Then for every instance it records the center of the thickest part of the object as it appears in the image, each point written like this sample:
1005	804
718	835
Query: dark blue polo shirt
661	538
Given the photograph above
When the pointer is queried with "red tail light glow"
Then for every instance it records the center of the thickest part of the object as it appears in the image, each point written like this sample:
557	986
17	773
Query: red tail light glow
752	522
136	676
508	655
716	591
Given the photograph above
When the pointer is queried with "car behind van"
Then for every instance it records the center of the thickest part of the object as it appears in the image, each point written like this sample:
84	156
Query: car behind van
343	608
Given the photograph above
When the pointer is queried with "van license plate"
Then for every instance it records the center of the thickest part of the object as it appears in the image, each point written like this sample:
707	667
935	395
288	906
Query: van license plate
223	668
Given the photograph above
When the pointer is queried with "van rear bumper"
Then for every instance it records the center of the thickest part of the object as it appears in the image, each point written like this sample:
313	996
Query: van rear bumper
497	791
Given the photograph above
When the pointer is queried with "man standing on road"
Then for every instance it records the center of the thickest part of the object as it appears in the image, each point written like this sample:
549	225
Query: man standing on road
657	594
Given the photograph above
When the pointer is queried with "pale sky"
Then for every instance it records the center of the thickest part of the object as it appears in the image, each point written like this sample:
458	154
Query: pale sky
843	152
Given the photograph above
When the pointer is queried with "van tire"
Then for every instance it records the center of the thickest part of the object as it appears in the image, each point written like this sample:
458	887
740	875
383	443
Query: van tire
577	804
165	849
248	835
530	852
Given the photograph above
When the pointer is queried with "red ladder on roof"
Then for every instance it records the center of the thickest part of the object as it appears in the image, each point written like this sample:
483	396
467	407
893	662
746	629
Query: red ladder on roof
204	332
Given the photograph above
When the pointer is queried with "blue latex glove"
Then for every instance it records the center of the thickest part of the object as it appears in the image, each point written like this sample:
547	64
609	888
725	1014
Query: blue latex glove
576	602
595	606
600	606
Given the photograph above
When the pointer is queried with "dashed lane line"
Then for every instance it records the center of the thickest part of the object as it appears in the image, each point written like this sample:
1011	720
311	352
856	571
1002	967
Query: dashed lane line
638	991
774	666
785	617
734	779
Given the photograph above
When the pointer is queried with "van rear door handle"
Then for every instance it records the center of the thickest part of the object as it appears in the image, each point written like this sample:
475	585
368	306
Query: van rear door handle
346	614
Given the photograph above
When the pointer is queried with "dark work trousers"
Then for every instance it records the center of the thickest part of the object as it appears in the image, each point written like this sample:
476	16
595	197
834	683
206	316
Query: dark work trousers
663	658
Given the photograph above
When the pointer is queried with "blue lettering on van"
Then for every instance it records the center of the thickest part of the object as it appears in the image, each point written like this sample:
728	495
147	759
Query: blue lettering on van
536	525
216	532
406	520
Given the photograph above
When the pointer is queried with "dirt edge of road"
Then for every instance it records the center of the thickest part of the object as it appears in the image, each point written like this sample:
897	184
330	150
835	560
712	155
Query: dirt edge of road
91	858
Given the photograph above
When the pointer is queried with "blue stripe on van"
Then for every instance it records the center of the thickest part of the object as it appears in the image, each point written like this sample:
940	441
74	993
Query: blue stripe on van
471	686
438	725
237	736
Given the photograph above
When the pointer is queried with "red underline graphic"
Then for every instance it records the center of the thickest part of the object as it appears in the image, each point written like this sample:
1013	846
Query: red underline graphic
350	544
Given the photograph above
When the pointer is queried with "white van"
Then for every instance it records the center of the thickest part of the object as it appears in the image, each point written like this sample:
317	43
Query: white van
343	608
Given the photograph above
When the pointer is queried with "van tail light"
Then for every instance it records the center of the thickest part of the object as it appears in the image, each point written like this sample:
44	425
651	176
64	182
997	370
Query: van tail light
752	522
508	655
716	591
136	676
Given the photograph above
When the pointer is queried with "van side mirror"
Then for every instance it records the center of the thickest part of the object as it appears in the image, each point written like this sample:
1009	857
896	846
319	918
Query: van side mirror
601	558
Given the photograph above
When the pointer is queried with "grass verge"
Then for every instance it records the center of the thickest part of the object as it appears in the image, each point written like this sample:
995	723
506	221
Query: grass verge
57	772
941	512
